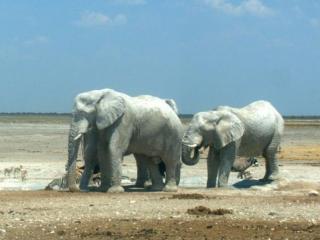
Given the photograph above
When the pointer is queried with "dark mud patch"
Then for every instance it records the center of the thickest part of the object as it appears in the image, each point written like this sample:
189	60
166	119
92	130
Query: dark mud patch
189	196
204	211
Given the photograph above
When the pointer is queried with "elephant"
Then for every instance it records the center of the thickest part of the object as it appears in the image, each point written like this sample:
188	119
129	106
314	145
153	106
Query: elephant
113	125
253	130
89	143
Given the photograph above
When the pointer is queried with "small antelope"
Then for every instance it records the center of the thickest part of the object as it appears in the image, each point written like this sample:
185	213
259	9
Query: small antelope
17	171
61	183
7	171
23	174
241	165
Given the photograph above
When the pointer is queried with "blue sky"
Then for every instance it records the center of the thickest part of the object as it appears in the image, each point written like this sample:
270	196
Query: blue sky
202	53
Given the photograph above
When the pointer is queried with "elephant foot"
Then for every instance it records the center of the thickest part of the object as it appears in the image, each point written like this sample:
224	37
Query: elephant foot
84	190
140	183
74	189
211	185
143	184
272	177
116	189
227	187
223	185
147	184
170	188
155	188
102	189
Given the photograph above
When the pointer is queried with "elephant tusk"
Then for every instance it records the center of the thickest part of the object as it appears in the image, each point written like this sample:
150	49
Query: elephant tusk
192	153
77	137
191	145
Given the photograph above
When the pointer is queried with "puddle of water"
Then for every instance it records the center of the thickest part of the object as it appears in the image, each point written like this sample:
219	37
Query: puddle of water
17	185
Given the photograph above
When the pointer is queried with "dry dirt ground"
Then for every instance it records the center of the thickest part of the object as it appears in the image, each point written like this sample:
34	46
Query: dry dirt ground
287	209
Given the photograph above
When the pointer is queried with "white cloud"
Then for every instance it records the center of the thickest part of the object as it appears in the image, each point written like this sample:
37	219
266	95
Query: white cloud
252	7
37	40
96	19
129	2
315	22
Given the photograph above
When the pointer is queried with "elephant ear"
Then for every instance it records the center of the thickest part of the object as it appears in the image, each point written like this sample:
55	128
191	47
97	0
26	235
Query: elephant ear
172	104
229	128
109	108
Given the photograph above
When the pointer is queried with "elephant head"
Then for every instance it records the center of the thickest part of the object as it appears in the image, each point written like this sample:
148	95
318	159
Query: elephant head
214	128
94	109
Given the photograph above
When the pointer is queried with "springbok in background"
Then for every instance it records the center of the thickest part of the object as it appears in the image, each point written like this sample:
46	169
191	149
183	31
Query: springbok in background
17	171
7	171
23	174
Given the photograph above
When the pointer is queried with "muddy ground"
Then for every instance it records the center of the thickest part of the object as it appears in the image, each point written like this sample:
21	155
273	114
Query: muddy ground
287	209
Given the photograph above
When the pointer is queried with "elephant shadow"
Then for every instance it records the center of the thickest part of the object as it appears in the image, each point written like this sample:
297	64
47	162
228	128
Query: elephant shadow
127	188
133	188
248	183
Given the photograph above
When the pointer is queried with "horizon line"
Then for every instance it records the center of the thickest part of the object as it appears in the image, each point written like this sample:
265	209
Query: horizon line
180	114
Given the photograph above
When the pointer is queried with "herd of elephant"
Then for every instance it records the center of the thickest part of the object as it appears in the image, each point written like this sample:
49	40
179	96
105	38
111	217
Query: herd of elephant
112	124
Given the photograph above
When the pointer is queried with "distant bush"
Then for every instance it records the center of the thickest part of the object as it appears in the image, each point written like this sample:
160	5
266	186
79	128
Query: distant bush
34	113
56	118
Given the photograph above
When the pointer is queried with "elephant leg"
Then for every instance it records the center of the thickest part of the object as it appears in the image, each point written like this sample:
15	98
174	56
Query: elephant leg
116	172
142	171
227	157
110	160
156	177
171	181
104	163
272	168
86	175
91	160
178	173
213	163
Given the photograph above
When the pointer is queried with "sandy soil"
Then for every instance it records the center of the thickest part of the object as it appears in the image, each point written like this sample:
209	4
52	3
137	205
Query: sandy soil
287	209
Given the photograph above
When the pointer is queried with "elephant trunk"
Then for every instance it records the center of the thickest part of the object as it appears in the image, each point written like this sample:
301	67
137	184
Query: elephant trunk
73	147
186	155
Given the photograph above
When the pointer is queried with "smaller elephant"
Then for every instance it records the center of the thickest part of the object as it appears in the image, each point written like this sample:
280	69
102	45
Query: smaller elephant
253	130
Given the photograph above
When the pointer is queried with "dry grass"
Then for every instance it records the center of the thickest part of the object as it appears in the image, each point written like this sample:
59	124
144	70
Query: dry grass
35	118
310	152
302	122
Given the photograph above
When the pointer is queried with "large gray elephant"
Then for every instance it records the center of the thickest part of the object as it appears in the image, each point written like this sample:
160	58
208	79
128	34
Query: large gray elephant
250	131
114	125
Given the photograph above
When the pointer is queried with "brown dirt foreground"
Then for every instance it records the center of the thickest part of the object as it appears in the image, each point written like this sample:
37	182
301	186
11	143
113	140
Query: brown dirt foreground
189	214
172	229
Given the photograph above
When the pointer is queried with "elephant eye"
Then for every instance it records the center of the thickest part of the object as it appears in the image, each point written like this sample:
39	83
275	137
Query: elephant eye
79	115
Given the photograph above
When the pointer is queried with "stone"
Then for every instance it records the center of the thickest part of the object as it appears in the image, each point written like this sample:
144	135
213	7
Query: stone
313	193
